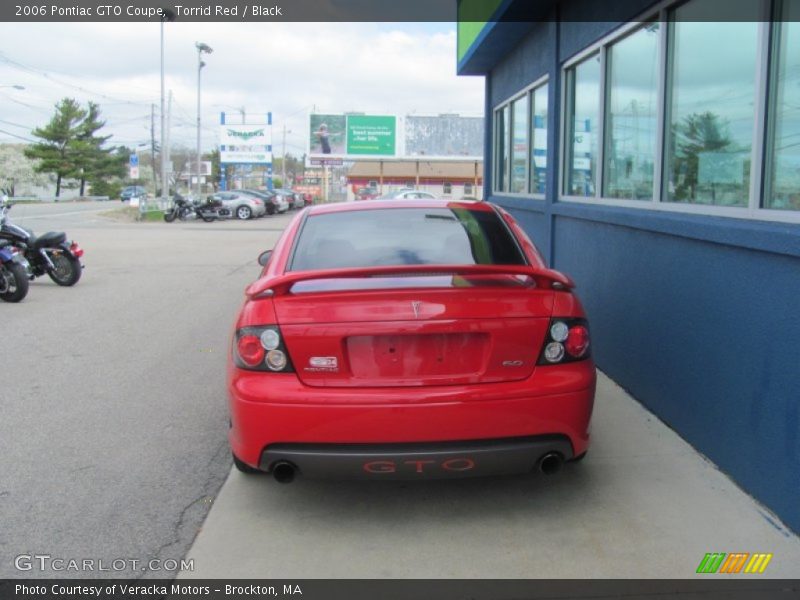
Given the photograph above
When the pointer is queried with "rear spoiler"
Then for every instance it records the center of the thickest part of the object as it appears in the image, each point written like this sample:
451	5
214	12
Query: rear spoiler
281	284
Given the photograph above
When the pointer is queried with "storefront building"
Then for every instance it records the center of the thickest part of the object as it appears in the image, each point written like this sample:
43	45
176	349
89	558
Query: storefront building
653	153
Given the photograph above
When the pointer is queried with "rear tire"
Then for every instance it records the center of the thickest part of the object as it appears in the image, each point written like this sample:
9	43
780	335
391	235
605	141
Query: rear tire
243	467
67	269
15	282
208	219
243	213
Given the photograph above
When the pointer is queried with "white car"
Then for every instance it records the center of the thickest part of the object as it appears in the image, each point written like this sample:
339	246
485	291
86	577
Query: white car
407	194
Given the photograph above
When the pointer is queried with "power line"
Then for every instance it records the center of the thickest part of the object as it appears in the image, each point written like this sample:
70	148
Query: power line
17	136
42	73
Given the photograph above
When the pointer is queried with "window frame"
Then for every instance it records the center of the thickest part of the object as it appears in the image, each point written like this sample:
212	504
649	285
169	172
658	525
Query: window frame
527	91
760	151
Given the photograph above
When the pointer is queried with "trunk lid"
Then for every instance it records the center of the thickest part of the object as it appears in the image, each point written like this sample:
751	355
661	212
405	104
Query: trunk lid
414	331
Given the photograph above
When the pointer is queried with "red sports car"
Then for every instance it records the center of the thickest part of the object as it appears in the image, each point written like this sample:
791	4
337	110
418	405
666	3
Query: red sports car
408	339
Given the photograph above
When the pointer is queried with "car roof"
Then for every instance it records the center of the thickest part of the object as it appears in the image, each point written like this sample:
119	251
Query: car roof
321	209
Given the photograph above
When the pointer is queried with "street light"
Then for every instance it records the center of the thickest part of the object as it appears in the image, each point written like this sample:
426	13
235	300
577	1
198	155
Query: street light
16	87
201	48
166	15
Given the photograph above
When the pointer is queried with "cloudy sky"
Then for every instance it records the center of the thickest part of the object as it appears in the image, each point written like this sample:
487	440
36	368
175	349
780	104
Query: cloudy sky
286	68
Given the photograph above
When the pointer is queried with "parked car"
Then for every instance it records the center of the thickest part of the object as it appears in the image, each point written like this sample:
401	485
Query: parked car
408	339
367	193
132	191
408	194
242	205
275	203
294	199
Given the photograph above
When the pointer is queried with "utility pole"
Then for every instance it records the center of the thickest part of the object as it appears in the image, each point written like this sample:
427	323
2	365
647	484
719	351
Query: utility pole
167	147
153	144
283	158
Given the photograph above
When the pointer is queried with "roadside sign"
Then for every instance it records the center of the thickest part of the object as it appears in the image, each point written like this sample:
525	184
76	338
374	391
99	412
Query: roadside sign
134	161
329	162
134	174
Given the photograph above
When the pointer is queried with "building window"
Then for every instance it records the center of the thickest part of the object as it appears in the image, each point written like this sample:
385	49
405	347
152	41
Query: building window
501	150
447	188
519	145
583	112
709	138
631	120
538	164
468	189
688	111
783	159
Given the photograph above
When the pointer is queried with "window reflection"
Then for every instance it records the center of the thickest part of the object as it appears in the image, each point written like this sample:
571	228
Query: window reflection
784	161
538	167
584	98
519	149
631	115
711	103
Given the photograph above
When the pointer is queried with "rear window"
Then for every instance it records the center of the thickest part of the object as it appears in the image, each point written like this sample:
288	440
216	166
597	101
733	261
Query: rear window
404	236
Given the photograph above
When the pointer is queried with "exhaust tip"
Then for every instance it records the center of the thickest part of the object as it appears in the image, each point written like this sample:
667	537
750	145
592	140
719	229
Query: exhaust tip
550	463
284	472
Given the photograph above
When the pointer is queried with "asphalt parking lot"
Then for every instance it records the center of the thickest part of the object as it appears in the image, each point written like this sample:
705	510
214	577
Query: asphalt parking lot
113	446
112	441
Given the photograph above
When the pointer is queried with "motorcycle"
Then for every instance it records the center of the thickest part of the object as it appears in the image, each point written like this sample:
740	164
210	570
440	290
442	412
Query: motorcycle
183	209
49	253
13	273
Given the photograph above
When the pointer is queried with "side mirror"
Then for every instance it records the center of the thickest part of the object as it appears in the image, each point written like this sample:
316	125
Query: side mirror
264	257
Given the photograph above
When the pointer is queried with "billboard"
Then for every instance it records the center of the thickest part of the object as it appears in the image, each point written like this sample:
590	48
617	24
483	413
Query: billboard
358	136
343	136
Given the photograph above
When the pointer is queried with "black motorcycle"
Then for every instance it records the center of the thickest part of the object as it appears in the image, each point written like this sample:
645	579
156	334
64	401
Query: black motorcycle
13	273
182	209
49	253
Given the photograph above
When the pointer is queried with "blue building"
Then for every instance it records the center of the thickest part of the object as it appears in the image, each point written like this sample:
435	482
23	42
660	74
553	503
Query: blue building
653	153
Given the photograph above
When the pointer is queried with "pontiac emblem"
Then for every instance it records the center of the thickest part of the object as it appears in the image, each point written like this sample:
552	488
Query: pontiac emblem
416	304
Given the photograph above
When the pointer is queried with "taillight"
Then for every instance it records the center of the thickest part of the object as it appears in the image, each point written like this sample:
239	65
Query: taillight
567	340
76	250
261	349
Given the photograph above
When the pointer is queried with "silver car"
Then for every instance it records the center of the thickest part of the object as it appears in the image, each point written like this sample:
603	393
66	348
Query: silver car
241	204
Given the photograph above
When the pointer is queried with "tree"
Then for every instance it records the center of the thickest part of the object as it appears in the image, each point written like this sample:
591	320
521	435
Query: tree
91	159
18	171
56	151
696	134
216	172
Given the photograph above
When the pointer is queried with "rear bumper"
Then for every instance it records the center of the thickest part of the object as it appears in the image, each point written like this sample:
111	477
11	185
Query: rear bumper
276	412
426	460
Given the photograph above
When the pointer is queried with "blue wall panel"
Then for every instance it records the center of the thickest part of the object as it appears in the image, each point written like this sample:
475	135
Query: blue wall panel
696	316
706	336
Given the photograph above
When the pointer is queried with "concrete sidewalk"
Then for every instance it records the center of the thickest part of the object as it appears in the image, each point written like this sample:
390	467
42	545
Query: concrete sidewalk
642	504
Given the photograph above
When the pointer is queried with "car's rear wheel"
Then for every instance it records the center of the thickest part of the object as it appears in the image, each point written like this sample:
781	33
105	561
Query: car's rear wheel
243	213
243	467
